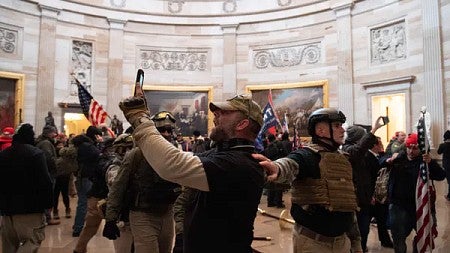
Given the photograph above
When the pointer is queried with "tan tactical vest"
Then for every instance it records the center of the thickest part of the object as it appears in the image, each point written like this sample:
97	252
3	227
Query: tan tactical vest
334	189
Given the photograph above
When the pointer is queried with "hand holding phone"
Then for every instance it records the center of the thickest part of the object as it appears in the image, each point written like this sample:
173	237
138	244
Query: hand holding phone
385	120
138	92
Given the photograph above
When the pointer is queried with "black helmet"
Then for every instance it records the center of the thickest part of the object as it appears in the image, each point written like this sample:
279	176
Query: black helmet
324	114
164	118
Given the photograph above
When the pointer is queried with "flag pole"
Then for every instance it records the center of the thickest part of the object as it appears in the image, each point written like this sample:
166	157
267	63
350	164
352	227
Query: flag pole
430	224
79	84
421	131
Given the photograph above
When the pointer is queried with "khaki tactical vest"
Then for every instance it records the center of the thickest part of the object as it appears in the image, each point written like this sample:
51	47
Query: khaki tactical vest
334	189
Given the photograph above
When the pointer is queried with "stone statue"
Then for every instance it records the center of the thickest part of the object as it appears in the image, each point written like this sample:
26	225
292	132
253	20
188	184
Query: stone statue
50	121
116	125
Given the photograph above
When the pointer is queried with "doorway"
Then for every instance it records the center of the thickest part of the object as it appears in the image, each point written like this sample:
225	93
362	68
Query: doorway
75	123
11	99
393	106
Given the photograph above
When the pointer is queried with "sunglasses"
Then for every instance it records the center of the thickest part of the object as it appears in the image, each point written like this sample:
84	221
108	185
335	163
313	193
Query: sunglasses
164	115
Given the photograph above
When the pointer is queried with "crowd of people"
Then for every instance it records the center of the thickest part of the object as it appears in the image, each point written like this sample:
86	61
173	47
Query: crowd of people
159	192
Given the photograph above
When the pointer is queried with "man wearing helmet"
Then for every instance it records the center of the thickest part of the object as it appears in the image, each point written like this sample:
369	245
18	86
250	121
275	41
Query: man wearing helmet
323	195
229	181
148	197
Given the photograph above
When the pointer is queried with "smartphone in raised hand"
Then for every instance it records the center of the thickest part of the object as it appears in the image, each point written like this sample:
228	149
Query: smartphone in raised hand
138	91
385	120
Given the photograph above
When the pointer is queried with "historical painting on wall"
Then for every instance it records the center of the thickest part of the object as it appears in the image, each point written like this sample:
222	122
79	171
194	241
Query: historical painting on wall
7	102
189	106
293	103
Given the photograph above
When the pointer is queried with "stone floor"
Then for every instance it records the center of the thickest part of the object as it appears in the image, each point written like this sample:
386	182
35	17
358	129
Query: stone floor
59	238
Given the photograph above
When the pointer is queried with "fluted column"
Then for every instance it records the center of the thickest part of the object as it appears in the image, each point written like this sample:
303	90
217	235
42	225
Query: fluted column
115	67
342	10
46	67
432	68
229	60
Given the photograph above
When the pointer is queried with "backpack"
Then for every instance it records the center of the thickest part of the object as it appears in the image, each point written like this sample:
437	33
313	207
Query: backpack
381	186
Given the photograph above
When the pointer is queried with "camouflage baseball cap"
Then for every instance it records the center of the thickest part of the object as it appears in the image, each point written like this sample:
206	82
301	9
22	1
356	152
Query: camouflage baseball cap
242	103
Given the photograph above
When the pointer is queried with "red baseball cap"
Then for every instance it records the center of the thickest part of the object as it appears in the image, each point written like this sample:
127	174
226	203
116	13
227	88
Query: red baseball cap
412	140
8	131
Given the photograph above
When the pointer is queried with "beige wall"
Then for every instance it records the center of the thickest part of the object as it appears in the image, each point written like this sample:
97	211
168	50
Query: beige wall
121	30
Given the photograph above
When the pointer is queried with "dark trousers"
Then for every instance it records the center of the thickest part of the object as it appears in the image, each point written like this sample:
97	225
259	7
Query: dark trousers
61	186
274	197
381	213
364	217
402	224
447	174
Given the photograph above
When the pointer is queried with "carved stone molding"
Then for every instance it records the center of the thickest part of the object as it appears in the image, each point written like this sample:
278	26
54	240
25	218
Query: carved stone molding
388	43
118	3
229	6
174	59
287	56
175	6
390	81
283	3
8	40
81	65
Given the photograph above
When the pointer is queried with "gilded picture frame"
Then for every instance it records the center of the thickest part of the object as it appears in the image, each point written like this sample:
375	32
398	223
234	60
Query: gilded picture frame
293	102
189	105
11	99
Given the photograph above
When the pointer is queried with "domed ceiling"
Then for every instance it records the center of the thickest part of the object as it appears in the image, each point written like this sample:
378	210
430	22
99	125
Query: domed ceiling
198	7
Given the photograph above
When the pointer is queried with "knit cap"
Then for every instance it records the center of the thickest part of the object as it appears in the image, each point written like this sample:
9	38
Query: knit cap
355	133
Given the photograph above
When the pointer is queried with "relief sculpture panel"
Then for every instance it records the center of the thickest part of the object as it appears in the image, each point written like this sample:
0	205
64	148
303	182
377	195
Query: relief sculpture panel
388	43
173	59
8	40
81	65
286	56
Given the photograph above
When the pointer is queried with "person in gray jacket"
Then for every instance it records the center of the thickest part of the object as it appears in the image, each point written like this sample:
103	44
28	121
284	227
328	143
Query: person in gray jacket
149	198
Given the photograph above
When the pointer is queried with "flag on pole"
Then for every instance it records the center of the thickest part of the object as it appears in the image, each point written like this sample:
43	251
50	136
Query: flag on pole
91	108
269	122
269	98
426	228
285	123
295	142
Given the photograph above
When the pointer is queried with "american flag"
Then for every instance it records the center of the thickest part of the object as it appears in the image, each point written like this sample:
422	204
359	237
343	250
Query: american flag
91	108
426	228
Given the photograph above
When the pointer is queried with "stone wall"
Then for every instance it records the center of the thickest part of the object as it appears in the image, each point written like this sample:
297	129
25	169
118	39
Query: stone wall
363	48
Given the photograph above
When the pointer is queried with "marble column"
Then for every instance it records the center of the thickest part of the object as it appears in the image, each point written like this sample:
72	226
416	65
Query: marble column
46	68
115	68
229	60
432	69
342	10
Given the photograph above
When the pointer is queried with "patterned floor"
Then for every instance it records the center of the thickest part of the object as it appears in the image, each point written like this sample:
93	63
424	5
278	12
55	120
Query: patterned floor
59	238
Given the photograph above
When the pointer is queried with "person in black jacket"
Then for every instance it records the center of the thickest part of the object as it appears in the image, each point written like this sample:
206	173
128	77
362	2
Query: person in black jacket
402	190
87	156
25	193
96	196
357	144
444	149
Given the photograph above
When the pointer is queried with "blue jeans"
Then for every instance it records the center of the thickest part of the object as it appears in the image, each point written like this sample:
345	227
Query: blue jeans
83	186
402	223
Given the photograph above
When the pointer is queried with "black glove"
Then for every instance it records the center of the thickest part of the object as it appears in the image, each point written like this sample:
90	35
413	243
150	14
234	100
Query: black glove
111	231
